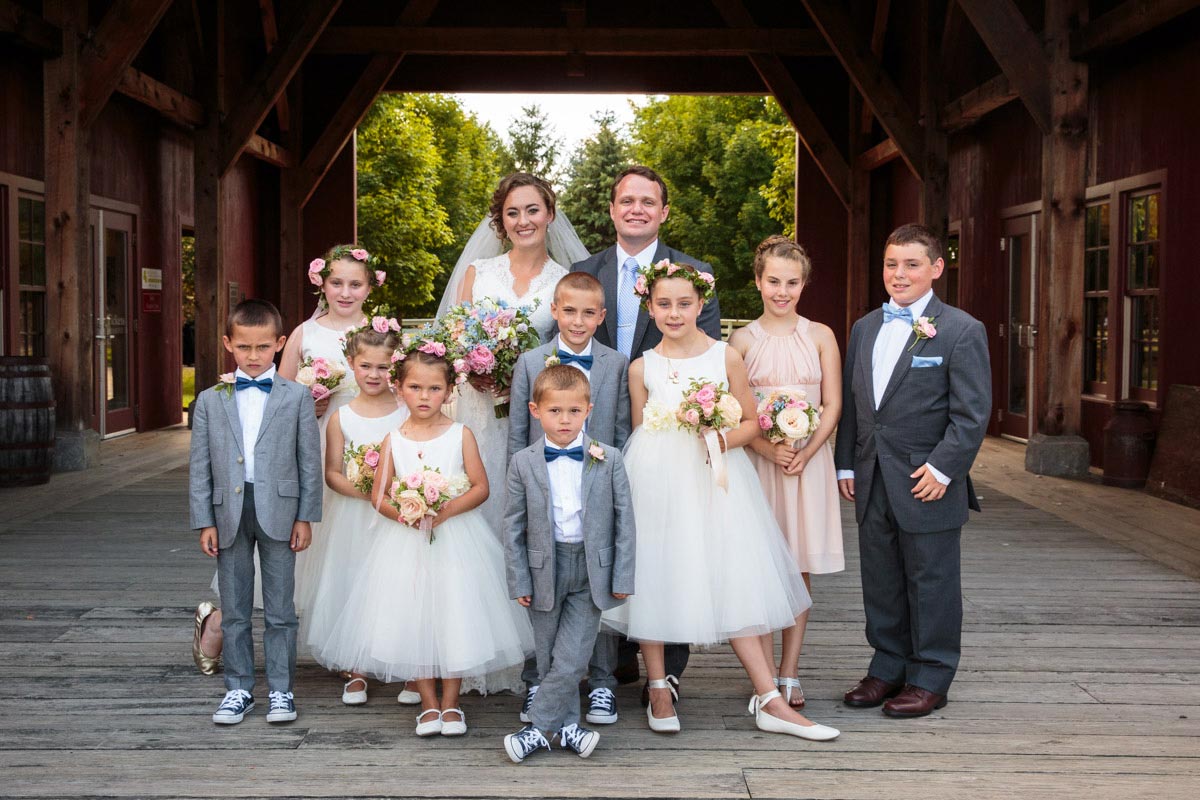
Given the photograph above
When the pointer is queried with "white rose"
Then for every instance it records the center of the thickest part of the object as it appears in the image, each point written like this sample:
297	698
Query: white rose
656	417
352	472
306	376
793	423
730	410
459	484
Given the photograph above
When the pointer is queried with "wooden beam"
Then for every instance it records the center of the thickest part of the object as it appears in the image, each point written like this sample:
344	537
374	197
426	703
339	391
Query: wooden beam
878	34
1125	22
1018	51
965	111
209	201
935	181
783	86
271	38
875	157
104	58
28	29
562	41
270	152
171	103
271	79
866	72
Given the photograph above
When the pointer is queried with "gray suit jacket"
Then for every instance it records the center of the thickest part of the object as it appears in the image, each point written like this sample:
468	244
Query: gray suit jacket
609	376
936	414
288	473
609	534
646	335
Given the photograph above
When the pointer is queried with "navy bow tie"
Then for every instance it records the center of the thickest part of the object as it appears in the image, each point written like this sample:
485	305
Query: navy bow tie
567	357
246	383
573	453
890	313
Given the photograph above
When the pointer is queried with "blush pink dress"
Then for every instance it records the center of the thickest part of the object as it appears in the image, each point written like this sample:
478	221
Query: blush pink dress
806	506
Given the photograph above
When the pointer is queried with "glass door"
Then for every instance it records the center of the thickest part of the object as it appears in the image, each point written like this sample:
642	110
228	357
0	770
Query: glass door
1019	330
112	241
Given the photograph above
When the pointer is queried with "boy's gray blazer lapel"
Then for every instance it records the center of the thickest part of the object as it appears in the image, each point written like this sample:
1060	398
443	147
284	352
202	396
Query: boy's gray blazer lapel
912	347
229	403
589	475
541	476
275	398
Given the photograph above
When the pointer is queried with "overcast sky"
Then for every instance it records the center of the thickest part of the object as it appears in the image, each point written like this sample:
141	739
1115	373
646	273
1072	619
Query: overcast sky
571	114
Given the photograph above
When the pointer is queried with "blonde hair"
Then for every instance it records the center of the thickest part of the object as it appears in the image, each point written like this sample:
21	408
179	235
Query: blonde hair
561	378
782	247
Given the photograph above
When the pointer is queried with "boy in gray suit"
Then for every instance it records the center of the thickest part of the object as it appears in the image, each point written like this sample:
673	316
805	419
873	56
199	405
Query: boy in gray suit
578	311
255	482
569	546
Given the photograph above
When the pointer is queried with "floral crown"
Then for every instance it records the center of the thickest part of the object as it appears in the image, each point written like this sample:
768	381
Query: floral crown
430	340
320	268
647	276
377	323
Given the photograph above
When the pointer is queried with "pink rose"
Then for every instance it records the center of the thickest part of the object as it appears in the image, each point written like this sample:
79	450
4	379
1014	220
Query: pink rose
802	405
410	506
672	269
226	377
315	268
692	417
596	451
709	279
706	396
415	480
708	408
371	458
764	422
433	348
481	360
460	366
358	254
431	493
393	324
639	286
927	328
398	355
319	392
320	368
380	277
380	324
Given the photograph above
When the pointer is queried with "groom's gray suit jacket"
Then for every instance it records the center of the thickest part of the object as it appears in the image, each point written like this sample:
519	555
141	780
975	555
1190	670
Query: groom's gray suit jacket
936	414
609	534
609	421
288	473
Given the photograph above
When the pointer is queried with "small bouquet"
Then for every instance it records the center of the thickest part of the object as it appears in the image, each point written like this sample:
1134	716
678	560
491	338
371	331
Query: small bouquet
785	415
321	376
709	409
361	463
420	495
488	337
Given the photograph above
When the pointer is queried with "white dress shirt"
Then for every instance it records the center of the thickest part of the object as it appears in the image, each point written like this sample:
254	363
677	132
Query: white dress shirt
889	347
251	403
587	351
566	493
623	284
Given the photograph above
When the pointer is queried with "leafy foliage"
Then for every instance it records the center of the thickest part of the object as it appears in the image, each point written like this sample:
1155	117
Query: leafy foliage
532	145
593	167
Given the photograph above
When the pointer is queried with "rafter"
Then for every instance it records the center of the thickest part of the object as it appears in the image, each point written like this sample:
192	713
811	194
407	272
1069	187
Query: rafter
105	56
564	41
878	33
1126	21
877	156
271	38
868	75
966	110
28	29
1018	51
172	104
271	79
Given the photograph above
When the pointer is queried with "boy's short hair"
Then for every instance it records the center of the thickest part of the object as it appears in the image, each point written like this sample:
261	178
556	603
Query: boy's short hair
561	378
579	282
254	314
914	233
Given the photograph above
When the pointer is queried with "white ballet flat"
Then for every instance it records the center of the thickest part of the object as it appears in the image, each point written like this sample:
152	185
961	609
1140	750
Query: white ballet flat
408	698
770	724
664	724
433	726
357	698
454	727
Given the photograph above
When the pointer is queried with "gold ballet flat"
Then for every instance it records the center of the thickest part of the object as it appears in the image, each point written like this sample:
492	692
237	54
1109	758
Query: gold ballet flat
206	665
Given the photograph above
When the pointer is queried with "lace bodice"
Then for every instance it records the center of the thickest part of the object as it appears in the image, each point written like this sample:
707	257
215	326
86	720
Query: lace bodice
494	279
667	378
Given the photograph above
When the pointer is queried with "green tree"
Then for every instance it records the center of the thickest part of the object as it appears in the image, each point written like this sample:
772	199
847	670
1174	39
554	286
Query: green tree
594	166
532	146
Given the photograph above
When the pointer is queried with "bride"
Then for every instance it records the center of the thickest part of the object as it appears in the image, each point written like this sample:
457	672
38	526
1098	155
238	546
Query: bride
522	215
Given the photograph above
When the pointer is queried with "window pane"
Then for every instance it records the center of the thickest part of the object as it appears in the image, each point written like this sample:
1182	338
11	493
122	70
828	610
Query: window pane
1103	224
32	324
1143	345
39	265
24	221
25	262
1095	355
1097	226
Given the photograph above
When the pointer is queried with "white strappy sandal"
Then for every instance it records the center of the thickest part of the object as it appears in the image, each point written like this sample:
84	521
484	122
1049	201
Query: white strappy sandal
664	724
786	685
771	724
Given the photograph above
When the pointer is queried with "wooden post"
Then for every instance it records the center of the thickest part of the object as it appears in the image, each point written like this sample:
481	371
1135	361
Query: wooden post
70	315
212	294
858	226
292	261
935	178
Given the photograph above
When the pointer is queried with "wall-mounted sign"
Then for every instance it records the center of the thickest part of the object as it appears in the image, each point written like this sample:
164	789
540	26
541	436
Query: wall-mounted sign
151	280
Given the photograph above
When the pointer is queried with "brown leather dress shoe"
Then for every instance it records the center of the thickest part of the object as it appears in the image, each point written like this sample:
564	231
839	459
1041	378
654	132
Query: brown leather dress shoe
870	692
913	701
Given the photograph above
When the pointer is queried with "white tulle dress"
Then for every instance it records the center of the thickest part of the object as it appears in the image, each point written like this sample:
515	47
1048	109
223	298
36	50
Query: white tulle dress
711	563
351	528
422	609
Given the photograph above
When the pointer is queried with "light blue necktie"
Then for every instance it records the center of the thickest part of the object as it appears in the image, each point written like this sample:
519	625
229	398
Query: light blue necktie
627	306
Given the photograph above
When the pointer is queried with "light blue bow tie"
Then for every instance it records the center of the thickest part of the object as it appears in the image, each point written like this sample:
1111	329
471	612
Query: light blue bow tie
890	313
246	383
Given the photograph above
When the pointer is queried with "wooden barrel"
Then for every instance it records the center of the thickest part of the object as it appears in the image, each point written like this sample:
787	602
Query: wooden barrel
26	421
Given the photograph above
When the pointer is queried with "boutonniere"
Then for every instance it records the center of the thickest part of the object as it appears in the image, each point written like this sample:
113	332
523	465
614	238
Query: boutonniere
923	328
553	360
225	384
595	453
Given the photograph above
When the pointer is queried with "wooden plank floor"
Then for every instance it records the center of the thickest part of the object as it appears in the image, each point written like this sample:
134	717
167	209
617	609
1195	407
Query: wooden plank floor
1080	678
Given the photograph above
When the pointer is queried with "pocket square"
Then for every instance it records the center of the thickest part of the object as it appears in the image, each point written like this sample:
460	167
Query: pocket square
926	361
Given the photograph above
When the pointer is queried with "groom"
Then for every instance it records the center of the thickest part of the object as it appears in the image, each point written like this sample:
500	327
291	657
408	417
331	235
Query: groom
638	208
917	396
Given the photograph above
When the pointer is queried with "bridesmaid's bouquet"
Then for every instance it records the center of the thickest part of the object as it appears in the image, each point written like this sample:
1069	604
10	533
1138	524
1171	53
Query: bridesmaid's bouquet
420	495
709	409
785	415
321	376
361	463
489	336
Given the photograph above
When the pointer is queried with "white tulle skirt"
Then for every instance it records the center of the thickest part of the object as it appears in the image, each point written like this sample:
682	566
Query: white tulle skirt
428	610
711	564
477	410
352	528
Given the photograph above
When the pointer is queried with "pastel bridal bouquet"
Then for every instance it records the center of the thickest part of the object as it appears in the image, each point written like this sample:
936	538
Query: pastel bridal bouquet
420	495
321	376
489	336
785	415
361	463
709	409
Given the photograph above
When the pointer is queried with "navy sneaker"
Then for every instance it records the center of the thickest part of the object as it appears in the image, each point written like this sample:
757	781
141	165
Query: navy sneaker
581	740
283	707
603	707
523	743
236	705
528	704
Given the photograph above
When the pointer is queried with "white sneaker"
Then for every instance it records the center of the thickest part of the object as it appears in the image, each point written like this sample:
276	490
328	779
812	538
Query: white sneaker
524	743
454	727
772	724
528	704
433	726
357	697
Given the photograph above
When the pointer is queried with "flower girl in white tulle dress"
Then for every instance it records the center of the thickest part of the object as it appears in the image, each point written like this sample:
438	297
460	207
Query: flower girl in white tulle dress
352	455
431	601
712	564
